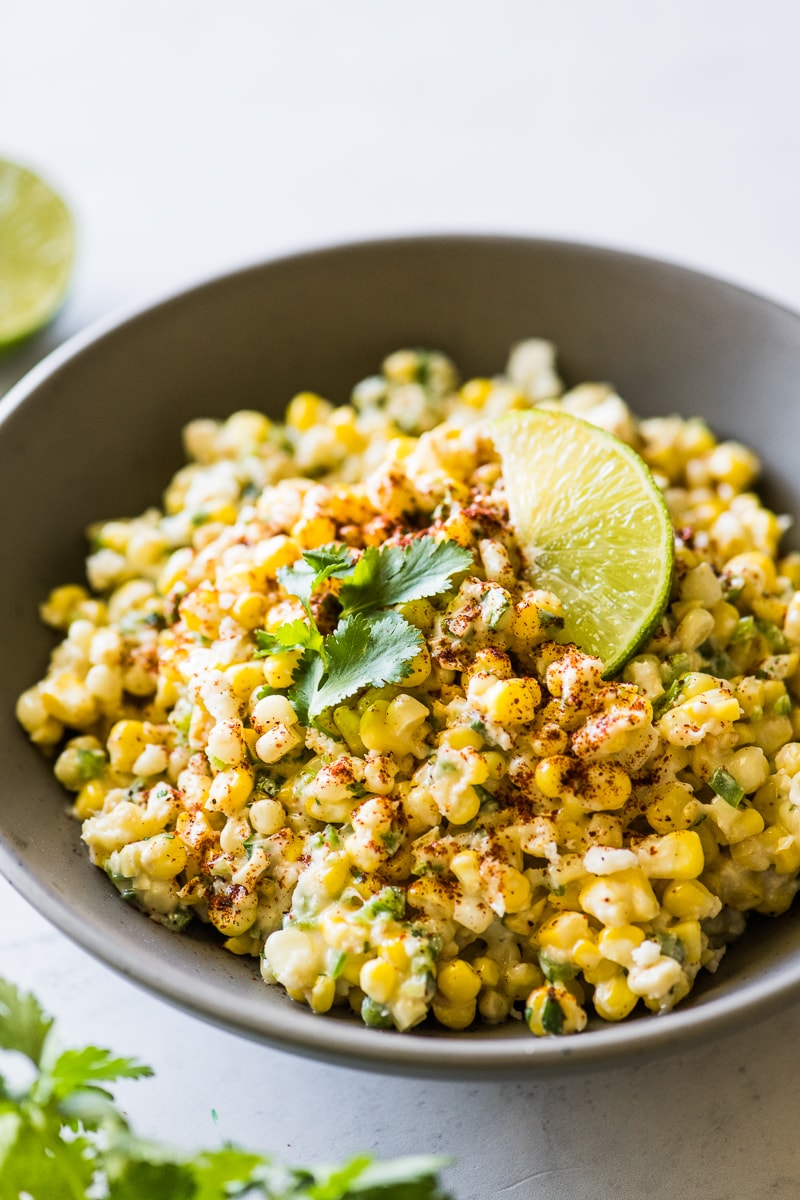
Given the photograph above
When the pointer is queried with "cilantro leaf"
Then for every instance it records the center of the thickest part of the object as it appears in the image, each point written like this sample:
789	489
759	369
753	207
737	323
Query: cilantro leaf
410	1178
23	1025
360	653
64	1137
39	1163
216	1172
305	685
77	1069
305	576
294	635
166	1180
395	574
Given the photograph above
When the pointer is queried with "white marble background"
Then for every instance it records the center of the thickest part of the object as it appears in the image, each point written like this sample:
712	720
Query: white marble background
191	136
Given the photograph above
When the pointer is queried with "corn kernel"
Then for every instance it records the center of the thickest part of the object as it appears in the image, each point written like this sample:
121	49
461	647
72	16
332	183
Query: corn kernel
552	1010
620	899
378	979
453	1016
305	410
676	855
613	1000
322	994
90	799
690	899
488	971
458	982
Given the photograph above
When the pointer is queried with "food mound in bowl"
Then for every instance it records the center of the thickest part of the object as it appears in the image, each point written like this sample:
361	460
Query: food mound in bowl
320	701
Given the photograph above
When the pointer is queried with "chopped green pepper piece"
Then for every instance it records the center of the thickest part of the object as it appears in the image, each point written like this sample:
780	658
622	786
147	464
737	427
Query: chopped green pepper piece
552	1015
726	787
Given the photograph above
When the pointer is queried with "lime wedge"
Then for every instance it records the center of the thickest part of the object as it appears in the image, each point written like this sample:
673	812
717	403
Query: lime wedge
37	245
592	526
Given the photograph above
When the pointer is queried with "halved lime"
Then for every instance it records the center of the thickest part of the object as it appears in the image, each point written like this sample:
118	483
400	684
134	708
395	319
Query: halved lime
37	246
593	528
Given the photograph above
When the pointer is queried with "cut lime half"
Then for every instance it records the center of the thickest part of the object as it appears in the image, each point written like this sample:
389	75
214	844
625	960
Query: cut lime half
592	526
37	246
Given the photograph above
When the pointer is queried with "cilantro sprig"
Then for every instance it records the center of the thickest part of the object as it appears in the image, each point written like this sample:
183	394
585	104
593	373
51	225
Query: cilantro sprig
382	576
372	644
63	1136
360	653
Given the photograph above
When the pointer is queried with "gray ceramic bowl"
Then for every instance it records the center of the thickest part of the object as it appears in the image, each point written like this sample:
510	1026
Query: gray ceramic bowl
94	432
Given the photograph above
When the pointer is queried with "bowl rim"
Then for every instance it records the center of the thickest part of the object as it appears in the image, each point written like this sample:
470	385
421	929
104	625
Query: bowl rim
296	1028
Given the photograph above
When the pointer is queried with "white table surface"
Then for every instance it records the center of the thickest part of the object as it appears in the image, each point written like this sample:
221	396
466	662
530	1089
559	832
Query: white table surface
191	136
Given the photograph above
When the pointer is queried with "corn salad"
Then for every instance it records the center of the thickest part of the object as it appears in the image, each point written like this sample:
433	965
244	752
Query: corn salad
488	829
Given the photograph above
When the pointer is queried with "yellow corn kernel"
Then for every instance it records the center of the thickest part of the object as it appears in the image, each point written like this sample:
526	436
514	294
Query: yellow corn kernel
65	697
126	742
597	787
552	1010
453	1016
458	528
613	1000
305	410
244	678
511	701
690	899
676	855
458	982
419	669
396	952
461	737
335	877
273	553
310	532
243	944
90	799
519	980
725	618
488	971
561	932
690	934
514	888
551	773
249	610
278	669
230	790
475	392
465	866
431	897
668	811
617	944
62	604
622	898
735	824
322	994
748	766
343	423
164	856
378	979
585	954
757	570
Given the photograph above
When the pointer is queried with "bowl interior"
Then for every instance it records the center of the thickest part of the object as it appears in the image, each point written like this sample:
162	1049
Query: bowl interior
94	432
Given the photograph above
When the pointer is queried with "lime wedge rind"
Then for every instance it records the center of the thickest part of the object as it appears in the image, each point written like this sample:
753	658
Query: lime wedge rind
593	528
37	251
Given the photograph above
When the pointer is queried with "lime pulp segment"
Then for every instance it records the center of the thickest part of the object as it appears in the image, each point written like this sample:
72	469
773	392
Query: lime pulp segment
37	246
592	526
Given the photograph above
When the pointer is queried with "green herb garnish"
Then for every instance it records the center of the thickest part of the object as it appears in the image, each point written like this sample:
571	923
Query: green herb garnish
62	1137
